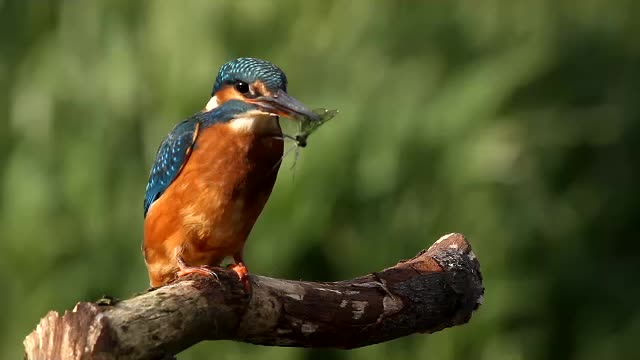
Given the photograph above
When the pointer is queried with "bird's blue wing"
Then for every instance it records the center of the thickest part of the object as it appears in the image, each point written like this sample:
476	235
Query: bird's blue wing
171	157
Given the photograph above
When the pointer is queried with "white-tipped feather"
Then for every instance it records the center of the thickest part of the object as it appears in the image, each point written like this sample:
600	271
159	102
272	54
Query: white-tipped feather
212	104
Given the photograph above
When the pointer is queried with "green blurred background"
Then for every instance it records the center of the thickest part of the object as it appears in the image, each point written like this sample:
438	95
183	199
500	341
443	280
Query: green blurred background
514	122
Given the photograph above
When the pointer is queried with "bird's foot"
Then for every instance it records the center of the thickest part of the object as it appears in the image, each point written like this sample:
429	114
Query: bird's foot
243	274
202	270
197	270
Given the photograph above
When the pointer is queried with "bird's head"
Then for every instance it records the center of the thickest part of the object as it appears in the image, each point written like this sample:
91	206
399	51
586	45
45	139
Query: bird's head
260	83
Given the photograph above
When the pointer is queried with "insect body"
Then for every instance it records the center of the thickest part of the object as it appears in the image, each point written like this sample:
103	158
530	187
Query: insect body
306	127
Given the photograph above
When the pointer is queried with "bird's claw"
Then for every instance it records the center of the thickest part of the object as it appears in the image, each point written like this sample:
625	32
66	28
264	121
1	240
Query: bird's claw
243	274
198	270
202	270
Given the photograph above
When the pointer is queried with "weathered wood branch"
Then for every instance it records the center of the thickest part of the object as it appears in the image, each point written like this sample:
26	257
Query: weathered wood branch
439	288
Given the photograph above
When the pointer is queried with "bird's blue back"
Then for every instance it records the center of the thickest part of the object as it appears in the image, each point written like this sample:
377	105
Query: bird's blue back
176	147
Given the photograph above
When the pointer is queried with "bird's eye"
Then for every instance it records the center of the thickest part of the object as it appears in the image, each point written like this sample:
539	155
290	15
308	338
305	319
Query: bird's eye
242	87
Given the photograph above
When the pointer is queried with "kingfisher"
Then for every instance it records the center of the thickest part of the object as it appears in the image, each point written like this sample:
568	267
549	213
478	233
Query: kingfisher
215	171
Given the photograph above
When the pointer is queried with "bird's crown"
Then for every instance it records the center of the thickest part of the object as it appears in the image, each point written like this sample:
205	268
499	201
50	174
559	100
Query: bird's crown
249	70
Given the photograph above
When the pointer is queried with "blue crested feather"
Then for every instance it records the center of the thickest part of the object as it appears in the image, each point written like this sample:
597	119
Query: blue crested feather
175	149
249	70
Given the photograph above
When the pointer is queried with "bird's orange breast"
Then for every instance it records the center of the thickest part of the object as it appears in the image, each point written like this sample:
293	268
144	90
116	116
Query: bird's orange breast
206	214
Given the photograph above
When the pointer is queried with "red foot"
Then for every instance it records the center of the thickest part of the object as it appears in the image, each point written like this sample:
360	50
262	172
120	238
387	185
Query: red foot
242	272
186	270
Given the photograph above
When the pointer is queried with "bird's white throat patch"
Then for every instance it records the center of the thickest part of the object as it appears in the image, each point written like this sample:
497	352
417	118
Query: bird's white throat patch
212	104
255	122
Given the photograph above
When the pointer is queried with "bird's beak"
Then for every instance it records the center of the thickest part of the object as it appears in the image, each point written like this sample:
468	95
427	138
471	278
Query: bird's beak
282	104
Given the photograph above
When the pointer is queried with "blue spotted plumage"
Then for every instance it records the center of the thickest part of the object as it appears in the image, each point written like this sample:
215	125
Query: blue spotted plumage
171	156
249	70
175	149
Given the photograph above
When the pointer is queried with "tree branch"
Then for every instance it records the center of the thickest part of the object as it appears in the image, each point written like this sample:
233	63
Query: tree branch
439	288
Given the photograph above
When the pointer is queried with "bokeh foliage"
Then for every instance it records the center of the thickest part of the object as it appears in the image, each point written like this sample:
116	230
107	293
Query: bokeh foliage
514	122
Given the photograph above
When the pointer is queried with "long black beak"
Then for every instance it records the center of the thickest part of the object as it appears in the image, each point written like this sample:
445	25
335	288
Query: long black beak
282	104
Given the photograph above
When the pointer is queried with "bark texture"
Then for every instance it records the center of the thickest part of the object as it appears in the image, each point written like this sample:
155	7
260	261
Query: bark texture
438	288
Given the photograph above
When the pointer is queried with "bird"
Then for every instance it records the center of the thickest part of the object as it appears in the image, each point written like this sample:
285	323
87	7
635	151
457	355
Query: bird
214	172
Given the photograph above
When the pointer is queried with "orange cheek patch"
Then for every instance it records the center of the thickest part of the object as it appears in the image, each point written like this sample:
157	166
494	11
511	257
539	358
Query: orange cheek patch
260	88
228	93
